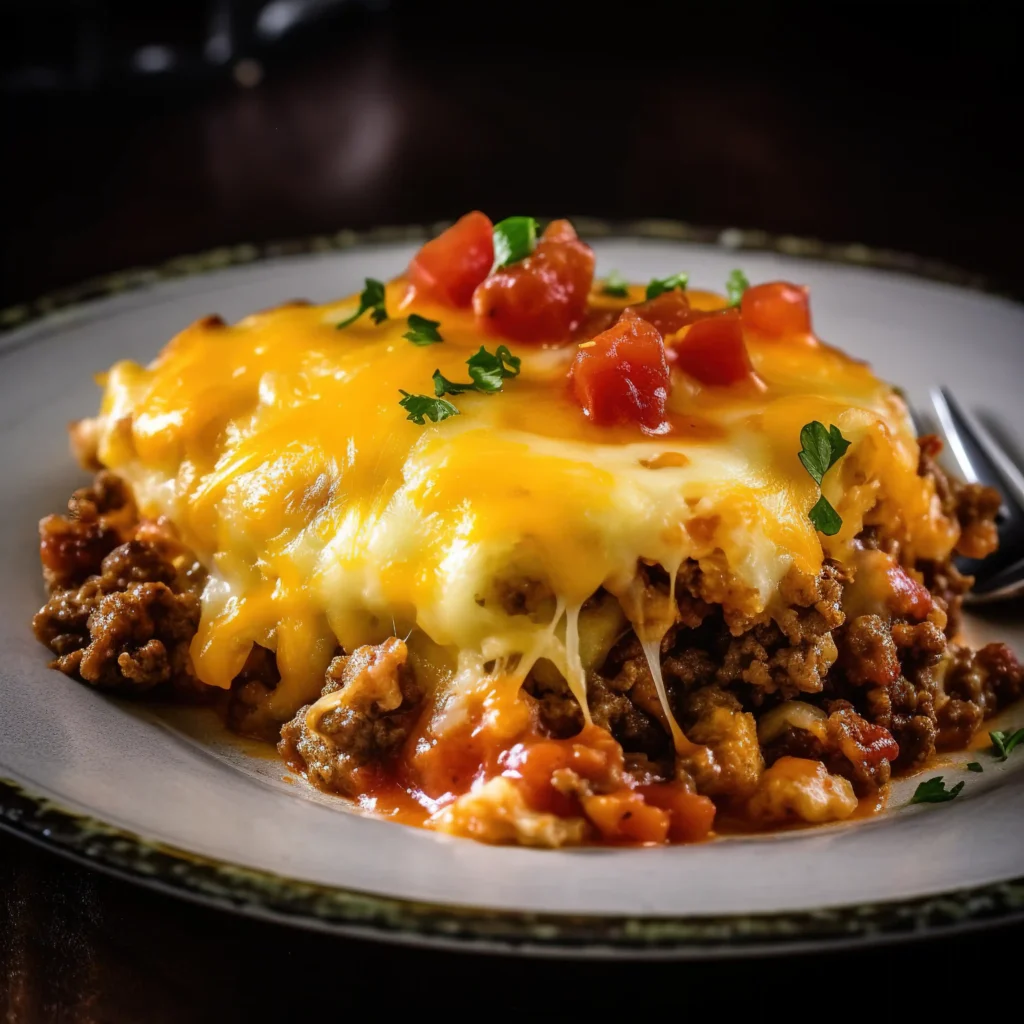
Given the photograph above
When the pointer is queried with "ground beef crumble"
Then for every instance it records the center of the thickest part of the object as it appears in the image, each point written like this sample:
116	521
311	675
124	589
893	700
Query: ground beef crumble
375	709
124	603
885	692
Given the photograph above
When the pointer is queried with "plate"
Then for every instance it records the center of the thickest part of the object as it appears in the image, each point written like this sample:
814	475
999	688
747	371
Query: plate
168	799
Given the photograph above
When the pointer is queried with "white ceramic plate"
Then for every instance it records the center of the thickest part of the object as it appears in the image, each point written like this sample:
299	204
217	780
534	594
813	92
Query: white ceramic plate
166	798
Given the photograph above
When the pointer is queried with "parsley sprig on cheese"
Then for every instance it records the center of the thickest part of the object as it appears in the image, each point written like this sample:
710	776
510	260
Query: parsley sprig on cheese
615	285
371	298
660	285
821	449
487	370
420	406
423	331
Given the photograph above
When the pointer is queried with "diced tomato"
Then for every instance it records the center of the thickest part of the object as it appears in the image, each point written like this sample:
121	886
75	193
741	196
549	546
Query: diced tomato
777	309
448	268
907	596
594	322
669	312
713	351
864	743
626	816
542	298
622	376
534	764
691	815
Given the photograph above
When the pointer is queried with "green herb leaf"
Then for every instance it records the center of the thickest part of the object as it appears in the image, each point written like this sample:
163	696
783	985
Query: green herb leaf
514	239
839	446
735	285
444	386
423	331
1004	742
615	285
825	518
418	406
974	766
816	450
372	298
820	450
488	371
660	285
934	791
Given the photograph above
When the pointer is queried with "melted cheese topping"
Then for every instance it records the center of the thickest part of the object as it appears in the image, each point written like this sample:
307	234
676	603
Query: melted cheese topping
278	448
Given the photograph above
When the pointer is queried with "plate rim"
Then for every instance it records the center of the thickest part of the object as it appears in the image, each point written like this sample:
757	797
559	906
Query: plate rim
266	895
19	314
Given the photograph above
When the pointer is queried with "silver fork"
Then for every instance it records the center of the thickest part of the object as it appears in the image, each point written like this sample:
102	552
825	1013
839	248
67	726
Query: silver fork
982	459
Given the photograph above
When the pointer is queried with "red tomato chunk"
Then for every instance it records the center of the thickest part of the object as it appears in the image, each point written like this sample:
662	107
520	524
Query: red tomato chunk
713	351
907	596
669	312
776	310
449	267
543	297
622	376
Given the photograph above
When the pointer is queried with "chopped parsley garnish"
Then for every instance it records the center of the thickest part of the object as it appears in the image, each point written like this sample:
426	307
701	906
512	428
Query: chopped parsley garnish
934	791
487	369
420	406
825	518
821	449
615	285
974	766
1004	742
423	331
514	239
660	285
371	298
736	284
444	386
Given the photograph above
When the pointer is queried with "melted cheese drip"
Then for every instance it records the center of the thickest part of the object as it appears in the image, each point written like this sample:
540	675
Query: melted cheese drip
574	674
278	448
652	652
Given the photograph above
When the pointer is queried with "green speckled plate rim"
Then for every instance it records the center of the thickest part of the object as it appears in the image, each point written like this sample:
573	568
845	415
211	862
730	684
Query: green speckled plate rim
263	894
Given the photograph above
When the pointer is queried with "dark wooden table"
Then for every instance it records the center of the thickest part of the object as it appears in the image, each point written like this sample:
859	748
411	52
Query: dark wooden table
896	135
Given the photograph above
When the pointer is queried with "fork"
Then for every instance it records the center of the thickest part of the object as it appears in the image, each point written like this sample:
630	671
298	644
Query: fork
981	459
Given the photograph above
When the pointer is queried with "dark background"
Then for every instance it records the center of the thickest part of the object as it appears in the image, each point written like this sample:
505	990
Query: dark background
893	125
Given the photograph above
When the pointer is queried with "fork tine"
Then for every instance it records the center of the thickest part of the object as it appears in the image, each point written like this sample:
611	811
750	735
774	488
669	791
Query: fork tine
1006	582
979	455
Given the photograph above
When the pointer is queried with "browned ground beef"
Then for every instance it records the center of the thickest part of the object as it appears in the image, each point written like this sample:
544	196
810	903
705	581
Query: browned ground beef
866	674
379	700
99	517
123	608
122	611
247	710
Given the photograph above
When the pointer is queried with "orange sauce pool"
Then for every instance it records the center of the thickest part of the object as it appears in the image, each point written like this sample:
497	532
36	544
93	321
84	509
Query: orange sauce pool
626	813
449	769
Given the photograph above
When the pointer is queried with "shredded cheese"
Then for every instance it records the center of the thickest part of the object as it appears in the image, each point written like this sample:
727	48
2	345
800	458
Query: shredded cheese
278	448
